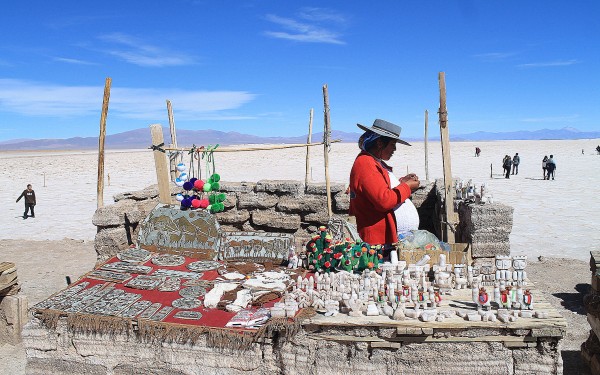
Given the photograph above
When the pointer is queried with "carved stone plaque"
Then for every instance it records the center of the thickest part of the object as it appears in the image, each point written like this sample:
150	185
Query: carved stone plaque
255	246
169	229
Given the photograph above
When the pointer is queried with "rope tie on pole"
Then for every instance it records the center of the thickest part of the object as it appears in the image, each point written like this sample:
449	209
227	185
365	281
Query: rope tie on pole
158	148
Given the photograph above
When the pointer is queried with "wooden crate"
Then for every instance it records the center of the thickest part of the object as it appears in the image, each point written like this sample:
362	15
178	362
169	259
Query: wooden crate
459	253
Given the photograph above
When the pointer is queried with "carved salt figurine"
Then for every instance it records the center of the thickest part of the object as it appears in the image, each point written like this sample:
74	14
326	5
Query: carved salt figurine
292	258
372	309
355	306
487	274
519	275
460	276
332	307
443	275
503	274
437	298
527	300
473	277
505	300
421	299
483	299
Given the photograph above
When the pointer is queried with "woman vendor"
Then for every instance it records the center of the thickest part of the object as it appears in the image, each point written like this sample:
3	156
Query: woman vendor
377	197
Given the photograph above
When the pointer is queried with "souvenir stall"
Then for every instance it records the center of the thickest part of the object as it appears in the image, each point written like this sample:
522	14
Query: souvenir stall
188	298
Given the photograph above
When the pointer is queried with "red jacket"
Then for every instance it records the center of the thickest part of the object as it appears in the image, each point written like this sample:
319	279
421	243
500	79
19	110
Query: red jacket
372	201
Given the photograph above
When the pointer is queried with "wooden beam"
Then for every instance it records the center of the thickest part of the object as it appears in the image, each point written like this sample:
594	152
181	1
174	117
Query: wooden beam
449	217
258	148
160	164
426	148
308	141
327	146
172	160
101	138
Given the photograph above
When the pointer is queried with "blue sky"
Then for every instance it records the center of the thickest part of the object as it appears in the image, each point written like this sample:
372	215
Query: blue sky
257	67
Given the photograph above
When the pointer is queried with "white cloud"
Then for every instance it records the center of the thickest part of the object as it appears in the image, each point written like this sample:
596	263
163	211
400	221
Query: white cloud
136	51
310	31
73	61
548	64
41	99
495	56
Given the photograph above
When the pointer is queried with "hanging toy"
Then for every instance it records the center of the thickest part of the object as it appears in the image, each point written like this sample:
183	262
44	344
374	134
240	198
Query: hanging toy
188	185
186	203
179	197
183	176
181	167
204	203
196	203
198	185
207	187
179	182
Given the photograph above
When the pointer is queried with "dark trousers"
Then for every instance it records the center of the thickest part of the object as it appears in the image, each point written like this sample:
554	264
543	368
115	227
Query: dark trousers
507	170
515	169
550	174
29	206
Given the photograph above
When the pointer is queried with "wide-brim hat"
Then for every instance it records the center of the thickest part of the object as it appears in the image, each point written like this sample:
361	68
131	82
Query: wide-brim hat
387	129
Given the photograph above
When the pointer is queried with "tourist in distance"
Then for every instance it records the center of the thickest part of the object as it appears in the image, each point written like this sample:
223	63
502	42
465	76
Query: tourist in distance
29	195
515	163
477	151
506	164
544	166
377	197
550	167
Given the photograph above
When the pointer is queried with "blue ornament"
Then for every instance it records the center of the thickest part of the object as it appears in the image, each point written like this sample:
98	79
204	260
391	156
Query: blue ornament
179	182
179	197
188	185
186	203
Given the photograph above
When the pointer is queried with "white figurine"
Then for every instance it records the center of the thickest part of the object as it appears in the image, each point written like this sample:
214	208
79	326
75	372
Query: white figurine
460	276
519	275
503	273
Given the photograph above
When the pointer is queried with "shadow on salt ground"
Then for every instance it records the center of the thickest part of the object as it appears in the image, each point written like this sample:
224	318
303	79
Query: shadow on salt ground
574	301
573	364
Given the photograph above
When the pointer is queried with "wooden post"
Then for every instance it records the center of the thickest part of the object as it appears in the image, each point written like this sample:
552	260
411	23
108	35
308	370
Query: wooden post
308	141
326	146
172	161
160	164
449	219
491	170
100	190
426	146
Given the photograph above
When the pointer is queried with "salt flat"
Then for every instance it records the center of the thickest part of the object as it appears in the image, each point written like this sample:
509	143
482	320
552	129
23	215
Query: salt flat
552	218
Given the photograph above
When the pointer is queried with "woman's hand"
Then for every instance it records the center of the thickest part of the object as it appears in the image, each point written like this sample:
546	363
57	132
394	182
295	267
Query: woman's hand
412	180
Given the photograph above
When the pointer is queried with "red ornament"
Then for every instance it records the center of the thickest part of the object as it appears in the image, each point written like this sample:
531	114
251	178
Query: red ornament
327	264
203	202
337	255
196	202
198	185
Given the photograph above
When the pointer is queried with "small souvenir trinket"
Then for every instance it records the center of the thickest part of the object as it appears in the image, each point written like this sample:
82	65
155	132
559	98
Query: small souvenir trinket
144	282
203	265
192	292
162	313
190	315
135	309
168	260
186	303
134	255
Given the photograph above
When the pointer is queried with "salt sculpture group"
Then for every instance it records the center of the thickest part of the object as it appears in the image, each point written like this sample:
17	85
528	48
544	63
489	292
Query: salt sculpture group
399	290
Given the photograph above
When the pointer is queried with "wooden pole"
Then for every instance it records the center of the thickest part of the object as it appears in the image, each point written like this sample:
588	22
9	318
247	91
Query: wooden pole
308	141
426	146
100	190
326	146
160	164
491	170
449	217
172	160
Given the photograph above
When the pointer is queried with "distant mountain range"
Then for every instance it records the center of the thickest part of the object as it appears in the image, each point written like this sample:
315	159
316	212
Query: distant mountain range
140	138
